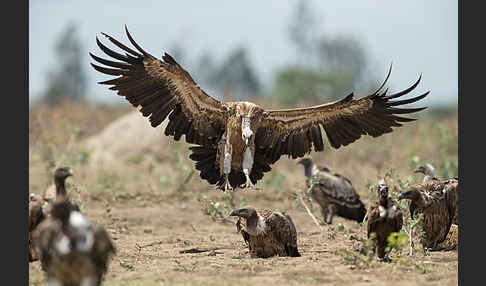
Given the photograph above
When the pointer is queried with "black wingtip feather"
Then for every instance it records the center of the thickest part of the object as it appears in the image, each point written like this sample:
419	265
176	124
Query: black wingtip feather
407	101
386	79
134	43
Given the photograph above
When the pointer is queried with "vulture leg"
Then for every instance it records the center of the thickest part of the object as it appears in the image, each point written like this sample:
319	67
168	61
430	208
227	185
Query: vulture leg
247	165
227	165
332	211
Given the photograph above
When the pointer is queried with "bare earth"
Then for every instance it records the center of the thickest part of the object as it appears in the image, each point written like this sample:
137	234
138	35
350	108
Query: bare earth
151	216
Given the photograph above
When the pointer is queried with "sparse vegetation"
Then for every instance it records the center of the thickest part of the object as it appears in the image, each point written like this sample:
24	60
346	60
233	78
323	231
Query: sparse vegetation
157	196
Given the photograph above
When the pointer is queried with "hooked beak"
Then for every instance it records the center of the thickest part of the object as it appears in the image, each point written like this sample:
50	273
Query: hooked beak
235	213
402	196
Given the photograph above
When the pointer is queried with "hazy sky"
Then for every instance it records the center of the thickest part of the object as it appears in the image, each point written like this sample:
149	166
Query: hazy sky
418	36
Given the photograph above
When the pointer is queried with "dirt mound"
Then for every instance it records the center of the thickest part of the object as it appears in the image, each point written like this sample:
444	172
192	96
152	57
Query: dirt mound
126	138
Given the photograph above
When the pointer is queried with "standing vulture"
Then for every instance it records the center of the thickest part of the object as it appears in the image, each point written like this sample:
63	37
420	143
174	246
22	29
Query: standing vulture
333	192
267	233
72	250
438	206
451	186
384	218
40	206
238	141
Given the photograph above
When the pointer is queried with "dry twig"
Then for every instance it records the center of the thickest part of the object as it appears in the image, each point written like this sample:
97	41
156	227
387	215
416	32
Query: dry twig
308	210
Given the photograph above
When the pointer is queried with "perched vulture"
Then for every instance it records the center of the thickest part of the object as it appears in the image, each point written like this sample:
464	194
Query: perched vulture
451	186
40	206
438	206
383	218
333	192
267	233
238	141
72	251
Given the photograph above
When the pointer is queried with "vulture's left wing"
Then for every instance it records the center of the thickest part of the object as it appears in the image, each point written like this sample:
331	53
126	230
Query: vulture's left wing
294	131
163	87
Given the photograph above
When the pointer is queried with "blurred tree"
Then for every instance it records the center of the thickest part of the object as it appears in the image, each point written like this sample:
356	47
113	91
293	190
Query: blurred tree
67	79
205	67
236	73
326	67
302	32
178	52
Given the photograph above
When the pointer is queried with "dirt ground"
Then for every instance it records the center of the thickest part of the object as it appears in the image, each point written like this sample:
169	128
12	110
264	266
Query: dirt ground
151	221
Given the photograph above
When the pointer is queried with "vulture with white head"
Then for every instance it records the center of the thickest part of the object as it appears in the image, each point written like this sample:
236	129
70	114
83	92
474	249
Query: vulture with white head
384	218
267	233
333	192
236	142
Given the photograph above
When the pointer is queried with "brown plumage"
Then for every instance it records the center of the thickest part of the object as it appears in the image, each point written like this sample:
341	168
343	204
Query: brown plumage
451	186
36	216
333	192
72	250
40	206
267	233
238	141
437	204
384	217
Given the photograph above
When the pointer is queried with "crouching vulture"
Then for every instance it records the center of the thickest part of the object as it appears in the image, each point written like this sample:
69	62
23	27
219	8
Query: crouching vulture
72	251
384	217
451	186
267	233
333	192
437	204
238	141
40	206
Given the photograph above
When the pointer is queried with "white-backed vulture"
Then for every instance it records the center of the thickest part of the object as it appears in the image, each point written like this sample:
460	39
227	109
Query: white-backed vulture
451	186
238	141
333	192
72	251
267	233
384	217
40	206
438	208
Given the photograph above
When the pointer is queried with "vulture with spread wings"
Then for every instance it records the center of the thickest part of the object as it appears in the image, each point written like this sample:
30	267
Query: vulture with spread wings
238	141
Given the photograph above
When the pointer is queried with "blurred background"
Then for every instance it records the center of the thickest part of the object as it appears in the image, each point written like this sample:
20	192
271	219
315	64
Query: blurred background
132	178
283	53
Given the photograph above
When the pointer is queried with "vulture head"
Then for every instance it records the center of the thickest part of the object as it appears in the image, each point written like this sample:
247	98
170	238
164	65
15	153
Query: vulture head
254	223
412	194
383	191
310	168
427	170
249	113
62	173
60	176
